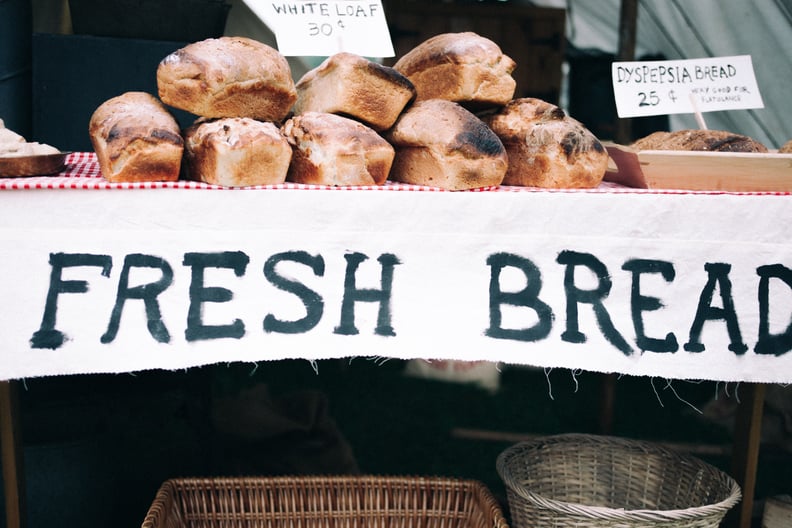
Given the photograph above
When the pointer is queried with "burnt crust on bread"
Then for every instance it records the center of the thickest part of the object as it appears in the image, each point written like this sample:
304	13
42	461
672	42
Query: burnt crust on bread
227	77
699	140
333	150
353	86
441	144
388	74
461	67
136	139
546	147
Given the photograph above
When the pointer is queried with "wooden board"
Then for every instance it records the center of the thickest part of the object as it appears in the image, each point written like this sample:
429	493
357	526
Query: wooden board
700	171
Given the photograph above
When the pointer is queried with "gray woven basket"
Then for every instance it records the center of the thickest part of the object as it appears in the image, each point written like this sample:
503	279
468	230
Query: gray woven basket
600	481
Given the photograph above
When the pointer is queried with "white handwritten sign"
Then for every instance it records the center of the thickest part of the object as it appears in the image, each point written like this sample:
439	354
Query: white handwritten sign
324	28
685	86
119	281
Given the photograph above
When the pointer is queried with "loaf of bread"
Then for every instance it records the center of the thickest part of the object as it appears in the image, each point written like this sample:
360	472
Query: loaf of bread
356	87
236	152
547	148
441	144
329	149
699	140
136	139
227	77
462	67
786	148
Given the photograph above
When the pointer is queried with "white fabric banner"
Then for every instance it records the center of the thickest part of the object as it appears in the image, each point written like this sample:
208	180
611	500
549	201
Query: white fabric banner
676	285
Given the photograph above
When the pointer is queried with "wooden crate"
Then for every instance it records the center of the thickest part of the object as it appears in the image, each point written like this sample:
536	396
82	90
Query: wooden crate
532	36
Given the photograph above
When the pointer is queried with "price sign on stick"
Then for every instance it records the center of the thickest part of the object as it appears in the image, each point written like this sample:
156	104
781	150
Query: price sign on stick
304	28
685	86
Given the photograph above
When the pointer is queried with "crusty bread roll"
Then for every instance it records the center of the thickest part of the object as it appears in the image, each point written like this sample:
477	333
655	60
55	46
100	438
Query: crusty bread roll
462	67
227	77
699	140
136	139
441	144
236	152
356	87
329	149
786	148
546	147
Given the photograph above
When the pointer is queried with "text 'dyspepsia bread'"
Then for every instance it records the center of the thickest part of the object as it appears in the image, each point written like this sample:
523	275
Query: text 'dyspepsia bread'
699	140
136	139
354	86
227	77
462	67
441	144
333	150
546	147
237	152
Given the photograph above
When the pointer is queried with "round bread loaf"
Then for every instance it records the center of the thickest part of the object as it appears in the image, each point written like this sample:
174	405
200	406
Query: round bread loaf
699	140
786	148
227	77
546	147
237	152
462	67
441	144
136	139
354	86
329	149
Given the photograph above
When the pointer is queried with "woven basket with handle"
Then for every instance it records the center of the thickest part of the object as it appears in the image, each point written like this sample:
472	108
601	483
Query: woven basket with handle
599	481
324	502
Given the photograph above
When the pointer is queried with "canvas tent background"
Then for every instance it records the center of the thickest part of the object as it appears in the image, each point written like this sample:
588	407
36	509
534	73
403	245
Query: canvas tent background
690	29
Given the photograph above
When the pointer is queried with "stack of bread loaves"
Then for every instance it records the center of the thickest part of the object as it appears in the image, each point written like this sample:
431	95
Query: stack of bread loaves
237	86
444	115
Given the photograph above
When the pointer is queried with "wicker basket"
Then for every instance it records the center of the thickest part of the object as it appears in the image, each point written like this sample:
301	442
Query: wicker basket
599	481
326	502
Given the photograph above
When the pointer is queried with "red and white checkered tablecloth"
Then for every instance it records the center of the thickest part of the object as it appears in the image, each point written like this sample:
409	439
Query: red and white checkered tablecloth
82	172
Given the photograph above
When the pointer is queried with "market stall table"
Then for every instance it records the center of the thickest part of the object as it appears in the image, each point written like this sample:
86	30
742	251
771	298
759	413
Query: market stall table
103	278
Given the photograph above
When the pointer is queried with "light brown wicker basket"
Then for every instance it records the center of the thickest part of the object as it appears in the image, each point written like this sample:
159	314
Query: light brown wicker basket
600	481
326	502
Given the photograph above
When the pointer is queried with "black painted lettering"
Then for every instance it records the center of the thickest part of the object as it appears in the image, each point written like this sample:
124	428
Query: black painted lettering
200	294
147	293
640	303
773	344
353	295
313	302
47	336
528	297
595	297
718	275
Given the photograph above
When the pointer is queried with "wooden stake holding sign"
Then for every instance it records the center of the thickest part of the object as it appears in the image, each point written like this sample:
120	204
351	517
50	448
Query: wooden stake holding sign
692	86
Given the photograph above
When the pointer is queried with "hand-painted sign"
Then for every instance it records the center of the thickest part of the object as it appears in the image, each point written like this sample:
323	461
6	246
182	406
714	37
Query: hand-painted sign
677	285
